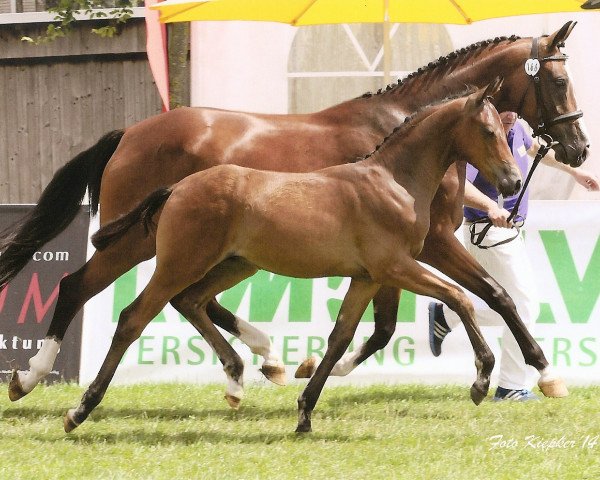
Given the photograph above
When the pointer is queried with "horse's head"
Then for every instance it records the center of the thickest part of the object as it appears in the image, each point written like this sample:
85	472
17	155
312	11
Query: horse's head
481	141
548	103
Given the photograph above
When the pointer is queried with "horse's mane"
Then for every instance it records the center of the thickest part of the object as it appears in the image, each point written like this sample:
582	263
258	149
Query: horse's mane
412	119
449	61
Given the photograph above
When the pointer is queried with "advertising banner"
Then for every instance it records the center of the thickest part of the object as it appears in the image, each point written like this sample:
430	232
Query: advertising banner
563	242
27	303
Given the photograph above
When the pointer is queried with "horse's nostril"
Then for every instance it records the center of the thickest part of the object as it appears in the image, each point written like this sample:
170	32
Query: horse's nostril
518	185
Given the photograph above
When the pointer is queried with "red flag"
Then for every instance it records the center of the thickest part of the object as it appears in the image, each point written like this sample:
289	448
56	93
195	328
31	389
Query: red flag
156	47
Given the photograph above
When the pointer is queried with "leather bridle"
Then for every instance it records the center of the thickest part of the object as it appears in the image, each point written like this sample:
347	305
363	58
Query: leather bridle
532	68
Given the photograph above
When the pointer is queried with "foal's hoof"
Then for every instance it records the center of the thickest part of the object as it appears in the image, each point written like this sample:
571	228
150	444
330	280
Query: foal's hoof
15	389
307	368
554	388
234	402
69	422
274	373
478	393
304	428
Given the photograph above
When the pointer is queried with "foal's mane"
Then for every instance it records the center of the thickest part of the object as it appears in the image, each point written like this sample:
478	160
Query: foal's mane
450	62
414	118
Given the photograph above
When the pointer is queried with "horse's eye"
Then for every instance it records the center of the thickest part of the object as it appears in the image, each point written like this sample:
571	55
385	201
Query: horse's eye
489	132
561	82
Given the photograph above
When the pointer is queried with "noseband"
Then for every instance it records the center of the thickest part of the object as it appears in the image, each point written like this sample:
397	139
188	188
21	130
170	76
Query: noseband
532	68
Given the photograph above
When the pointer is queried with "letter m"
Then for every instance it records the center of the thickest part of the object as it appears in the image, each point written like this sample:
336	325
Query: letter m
35	295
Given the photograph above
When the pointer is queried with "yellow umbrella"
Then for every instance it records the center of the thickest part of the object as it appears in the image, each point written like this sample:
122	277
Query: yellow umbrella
319	12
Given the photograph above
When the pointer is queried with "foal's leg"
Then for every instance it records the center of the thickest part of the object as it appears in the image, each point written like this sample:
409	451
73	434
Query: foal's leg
192	304
258	341
412	276
355	302
132	322
76	289
449	256
385	306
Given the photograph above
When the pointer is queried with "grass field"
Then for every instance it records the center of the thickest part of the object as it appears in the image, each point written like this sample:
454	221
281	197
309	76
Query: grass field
379	432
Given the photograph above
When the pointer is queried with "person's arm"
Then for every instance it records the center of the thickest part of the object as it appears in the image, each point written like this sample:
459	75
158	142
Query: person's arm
582	176
475	199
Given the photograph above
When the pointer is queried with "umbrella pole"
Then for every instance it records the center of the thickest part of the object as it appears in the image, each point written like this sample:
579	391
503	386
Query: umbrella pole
387	51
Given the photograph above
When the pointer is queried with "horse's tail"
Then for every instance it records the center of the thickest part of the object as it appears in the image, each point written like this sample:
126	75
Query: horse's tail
143	212
57	206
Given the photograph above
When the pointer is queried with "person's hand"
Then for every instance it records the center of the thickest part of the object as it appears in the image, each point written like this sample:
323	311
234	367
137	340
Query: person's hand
499	216
586	179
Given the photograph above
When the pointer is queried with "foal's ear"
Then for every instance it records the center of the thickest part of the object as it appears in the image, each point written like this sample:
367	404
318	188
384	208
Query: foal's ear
489	91
557	39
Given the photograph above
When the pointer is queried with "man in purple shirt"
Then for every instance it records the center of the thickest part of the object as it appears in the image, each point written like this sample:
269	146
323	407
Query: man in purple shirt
507	263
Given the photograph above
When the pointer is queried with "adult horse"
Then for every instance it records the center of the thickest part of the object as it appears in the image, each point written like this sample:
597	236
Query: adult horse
166	148
366	220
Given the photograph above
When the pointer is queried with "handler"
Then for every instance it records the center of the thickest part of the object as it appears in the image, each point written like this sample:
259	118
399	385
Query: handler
507	263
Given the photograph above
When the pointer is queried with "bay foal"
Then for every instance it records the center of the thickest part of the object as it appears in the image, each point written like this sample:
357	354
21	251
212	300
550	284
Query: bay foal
366	220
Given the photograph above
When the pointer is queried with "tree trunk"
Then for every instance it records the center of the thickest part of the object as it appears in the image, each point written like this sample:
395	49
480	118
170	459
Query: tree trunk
179	66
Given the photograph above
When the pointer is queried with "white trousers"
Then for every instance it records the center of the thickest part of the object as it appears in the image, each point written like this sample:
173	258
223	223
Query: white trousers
509	265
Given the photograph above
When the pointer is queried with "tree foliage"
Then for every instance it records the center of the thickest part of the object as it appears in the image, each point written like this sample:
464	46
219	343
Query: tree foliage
113	12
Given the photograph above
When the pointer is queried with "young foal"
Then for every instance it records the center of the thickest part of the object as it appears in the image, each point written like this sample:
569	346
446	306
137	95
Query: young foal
366	221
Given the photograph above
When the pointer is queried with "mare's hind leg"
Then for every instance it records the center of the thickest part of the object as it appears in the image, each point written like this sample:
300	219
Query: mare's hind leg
385	305
74	291
449	256
412	276
192	304
355	302
258	341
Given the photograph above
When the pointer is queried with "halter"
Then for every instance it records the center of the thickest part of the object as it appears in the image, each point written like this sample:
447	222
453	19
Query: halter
532	68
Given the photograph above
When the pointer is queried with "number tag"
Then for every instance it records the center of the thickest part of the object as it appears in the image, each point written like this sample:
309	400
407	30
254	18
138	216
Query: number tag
532	66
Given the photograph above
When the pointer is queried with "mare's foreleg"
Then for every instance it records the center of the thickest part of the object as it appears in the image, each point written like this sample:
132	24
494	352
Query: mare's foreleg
355	302
74	291
410	275
449	256
385	306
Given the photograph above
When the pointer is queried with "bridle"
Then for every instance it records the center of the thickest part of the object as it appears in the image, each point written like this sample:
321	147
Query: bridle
532	69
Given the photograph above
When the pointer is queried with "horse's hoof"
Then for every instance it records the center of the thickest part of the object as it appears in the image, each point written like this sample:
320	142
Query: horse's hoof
275	374
478	394
69	422
307	368
15	389
304	428
234	402
554	388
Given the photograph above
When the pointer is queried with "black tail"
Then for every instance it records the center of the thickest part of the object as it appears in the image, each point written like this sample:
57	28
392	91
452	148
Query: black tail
111	232
57	206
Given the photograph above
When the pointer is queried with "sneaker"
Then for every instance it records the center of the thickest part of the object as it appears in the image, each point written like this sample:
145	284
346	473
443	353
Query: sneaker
438	328
517	395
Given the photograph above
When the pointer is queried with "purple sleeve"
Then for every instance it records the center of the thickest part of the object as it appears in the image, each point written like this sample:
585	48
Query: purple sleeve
472	173
527	138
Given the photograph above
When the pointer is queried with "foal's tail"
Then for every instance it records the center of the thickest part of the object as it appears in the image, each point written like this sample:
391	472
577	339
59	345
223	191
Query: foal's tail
144	212
57	206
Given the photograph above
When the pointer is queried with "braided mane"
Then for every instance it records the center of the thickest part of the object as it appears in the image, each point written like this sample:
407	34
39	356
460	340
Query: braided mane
409	120
450	61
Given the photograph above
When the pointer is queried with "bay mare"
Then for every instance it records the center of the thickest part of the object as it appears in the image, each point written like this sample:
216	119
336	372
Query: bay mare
366	220
125	166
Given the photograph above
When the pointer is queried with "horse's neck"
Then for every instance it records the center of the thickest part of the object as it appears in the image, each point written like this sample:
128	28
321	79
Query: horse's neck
480	70
419	157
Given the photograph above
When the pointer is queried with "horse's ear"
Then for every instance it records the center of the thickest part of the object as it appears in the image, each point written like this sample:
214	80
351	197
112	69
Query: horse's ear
557	39
492	89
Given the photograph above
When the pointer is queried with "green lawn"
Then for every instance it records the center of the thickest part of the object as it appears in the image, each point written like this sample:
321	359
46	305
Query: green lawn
381	432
